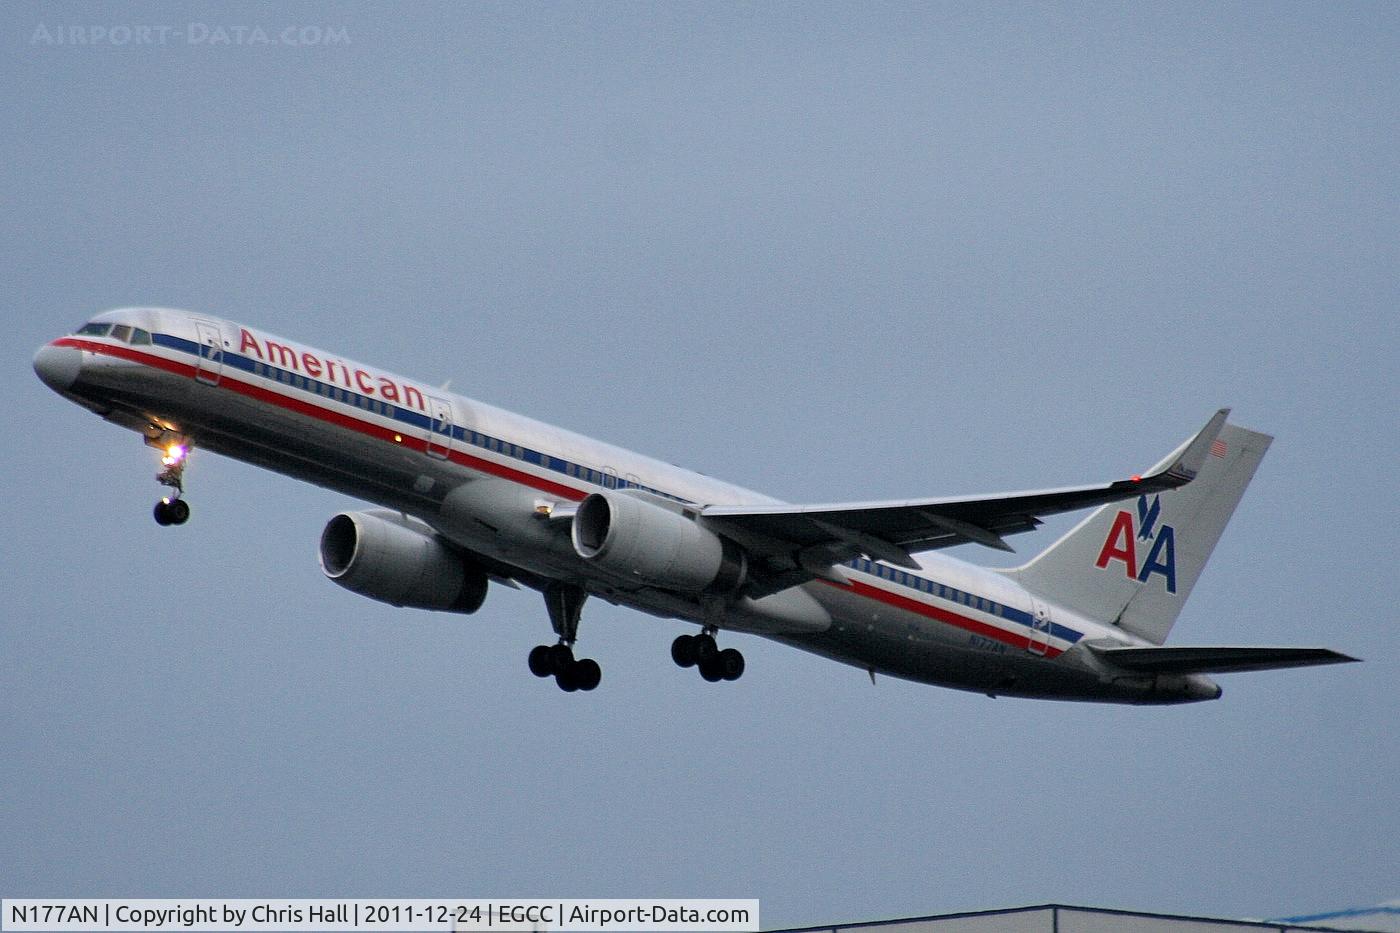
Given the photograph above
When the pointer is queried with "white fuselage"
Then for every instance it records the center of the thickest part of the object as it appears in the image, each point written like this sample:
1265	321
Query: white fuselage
487	479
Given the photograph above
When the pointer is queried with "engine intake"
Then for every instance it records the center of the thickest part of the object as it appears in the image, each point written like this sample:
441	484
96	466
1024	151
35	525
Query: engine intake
639	540
400	562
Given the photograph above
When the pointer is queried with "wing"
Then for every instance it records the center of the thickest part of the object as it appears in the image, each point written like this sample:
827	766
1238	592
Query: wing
796	543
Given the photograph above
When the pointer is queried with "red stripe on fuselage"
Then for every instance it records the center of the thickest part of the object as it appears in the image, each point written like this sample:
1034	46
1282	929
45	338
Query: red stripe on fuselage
517	476
300	406
938	614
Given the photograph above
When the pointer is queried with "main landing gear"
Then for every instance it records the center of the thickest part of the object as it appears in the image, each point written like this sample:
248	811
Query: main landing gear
702	652
565	604
173	510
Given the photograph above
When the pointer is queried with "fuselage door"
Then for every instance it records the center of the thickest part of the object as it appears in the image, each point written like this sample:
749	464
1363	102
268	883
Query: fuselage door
211	353
439	427
1039	636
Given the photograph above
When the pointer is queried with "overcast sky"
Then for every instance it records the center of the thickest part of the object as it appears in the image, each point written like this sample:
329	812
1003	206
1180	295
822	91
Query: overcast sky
826	251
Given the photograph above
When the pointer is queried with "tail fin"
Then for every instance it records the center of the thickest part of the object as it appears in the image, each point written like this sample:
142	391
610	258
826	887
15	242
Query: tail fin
1134	566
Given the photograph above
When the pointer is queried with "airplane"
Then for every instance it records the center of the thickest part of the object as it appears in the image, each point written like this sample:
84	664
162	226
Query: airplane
468	495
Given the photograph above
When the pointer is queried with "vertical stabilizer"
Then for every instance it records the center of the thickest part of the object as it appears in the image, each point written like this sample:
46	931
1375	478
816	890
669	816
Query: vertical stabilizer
1134	563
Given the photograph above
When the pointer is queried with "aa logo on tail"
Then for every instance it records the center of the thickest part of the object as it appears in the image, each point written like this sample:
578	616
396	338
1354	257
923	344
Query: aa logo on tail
1123	541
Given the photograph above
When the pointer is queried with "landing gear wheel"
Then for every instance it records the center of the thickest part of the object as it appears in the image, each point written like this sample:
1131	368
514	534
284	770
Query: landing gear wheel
540	663
701	651
705	647
584	674
683	651
730	664
172	512
179	512
711	670
587	674
561	658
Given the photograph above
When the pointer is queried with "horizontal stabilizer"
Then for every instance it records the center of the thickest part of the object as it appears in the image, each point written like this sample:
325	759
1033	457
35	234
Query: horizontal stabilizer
1188	660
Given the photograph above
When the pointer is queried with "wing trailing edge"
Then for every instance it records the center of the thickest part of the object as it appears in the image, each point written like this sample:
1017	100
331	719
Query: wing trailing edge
892	531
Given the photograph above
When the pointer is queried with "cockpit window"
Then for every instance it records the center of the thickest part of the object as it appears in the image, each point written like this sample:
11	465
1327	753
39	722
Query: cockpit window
121	332
95	329
140	337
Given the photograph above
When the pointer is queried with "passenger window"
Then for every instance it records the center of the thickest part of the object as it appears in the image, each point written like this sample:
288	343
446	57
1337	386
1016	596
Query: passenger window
121	332
141	337
95	330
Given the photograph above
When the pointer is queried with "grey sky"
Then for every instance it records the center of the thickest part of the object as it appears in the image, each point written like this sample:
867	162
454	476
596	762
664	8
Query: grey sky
825	251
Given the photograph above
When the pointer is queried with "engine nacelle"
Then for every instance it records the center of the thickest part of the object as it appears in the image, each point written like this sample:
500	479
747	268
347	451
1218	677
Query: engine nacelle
642	541
398	561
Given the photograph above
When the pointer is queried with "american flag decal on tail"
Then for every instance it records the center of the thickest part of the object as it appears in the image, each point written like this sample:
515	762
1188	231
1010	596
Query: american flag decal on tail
1218	448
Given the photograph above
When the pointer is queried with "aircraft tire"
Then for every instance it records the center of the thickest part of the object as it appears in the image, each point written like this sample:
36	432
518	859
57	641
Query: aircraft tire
179	511
730	663
711	670
561	658
683	651
587	674
540	663
705	648
162	513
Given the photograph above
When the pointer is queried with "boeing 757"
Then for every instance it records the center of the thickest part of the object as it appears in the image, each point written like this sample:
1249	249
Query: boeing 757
469	495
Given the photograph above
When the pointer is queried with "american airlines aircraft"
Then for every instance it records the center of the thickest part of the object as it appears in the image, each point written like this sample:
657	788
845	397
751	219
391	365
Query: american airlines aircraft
471	494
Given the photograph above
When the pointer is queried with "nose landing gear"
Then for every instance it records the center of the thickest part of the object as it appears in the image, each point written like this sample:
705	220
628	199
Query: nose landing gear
172	510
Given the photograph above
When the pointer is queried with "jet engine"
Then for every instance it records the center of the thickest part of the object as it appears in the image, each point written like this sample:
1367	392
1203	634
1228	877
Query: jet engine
399	561
638	540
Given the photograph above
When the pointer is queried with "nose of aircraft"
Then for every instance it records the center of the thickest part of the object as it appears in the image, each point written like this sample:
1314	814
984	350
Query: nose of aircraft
58	366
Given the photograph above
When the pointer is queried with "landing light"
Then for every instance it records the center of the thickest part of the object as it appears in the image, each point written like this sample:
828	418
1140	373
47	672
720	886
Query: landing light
173	454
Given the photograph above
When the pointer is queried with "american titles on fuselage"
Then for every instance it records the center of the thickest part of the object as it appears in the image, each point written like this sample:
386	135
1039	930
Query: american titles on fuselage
331	370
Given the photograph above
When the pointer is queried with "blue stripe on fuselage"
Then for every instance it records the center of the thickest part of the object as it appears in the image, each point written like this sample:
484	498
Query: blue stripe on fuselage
407	416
